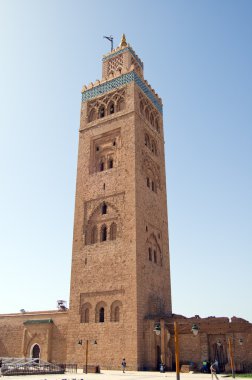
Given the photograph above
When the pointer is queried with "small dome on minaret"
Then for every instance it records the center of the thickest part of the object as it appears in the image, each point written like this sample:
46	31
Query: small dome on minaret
123	41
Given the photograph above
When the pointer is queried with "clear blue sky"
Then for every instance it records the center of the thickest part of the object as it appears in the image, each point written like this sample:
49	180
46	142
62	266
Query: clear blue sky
198	57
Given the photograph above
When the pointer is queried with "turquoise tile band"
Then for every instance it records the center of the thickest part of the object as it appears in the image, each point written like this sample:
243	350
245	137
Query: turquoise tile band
118	82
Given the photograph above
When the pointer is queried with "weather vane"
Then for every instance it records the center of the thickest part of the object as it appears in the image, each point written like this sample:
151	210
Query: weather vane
110	38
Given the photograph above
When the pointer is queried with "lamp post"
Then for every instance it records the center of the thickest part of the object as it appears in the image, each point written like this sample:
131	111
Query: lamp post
81	343
231	354
176	350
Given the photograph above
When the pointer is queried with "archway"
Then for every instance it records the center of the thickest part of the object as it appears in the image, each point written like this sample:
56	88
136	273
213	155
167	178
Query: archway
35	352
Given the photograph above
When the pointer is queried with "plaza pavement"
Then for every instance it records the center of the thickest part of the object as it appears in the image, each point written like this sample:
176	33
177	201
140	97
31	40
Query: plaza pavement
118	375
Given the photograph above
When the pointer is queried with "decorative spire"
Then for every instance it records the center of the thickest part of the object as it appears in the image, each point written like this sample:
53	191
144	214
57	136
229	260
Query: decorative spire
123	41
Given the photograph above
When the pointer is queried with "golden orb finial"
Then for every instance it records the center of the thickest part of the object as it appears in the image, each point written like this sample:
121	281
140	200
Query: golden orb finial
123	41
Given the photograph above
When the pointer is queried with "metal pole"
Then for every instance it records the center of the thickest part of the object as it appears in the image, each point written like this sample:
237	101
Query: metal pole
176	350
231	357
86	354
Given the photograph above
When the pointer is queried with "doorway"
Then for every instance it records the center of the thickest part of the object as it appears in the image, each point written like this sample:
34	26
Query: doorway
219	354
35	354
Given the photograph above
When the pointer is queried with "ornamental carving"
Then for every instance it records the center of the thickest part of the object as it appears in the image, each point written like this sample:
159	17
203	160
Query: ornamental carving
149	113
151	169
106	105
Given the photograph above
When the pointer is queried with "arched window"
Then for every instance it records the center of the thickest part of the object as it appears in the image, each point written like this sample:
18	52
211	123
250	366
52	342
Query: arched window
150	254
151	119
117	314
147	114
101	315
113	230
110	163
141	107
92	115
101	112
148	181
100	312
120	104
111	108
101	166
94	234
85	313
115	311
104	208
104	233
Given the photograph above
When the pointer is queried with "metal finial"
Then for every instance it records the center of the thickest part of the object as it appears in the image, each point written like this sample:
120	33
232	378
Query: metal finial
110	38
123	41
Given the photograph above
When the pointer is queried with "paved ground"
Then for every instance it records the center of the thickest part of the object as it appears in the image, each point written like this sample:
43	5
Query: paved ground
118	375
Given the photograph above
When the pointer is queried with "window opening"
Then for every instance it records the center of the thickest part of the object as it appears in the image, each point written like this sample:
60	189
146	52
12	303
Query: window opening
102	112
101	166
152	186
117	314
101	314
104	233
104	186
150	255
110	164
97	149
155	256
111	108
104	208
148	181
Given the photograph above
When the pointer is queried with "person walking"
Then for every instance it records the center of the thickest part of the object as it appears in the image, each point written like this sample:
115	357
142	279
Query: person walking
123	365
213	370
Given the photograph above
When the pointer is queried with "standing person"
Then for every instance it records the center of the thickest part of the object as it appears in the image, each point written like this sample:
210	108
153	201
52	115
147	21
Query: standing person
213	369
123	364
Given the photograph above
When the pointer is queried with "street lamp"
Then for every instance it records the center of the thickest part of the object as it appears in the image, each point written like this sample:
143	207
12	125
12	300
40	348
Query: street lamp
195	329
80	342
157	328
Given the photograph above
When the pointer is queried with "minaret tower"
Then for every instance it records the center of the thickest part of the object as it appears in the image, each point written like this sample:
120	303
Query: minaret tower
120	261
